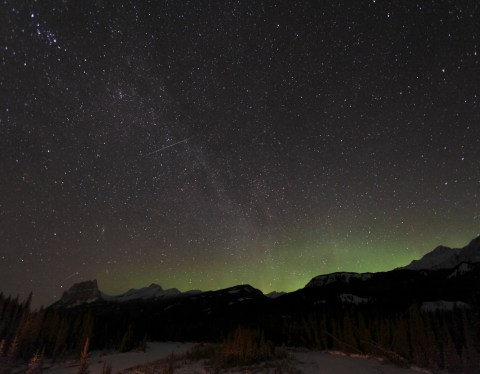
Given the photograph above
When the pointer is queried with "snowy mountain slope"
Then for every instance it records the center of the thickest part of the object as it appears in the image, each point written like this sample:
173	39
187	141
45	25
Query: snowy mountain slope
432	306
344	277
461	269
151	292
274	294
447	258
353	299
87	292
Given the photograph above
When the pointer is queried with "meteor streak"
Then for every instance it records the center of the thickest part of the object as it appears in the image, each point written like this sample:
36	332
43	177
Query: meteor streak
70	276
167	146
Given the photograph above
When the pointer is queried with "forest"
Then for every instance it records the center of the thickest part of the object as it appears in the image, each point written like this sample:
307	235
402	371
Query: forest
403	334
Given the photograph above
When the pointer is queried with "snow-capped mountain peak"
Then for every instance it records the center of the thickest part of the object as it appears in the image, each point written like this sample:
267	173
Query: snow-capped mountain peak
447	258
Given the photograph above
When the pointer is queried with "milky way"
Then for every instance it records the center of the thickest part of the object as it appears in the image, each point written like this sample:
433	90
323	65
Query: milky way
203	144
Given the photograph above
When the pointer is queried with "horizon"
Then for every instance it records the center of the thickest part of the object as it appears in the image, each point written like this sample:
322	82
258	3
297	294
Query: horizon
138	286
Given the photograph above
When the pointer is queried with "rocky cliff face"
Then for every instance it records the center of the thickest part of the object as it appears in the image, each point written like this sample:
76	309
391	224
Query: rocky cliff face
80	293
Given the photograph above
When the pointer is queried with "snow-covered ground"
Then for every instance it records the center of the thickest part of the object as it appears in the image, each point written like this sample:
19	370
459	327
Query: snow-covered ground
121	361
307	362
333	363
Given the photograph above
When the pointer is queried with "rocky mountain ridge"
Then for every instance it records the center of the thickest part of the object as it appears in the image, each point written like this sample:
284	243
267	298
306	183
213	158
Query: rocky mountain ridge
87	292
447	258
455	263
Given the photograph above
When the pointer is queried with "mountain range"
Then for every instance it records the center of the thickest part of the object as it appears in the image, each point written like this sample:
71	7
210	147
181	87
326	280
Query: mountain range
443	263
88	292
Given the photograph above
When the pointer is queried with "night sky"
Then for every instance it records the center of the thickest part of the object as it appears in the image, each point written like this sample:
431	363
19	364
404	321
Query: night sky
204	144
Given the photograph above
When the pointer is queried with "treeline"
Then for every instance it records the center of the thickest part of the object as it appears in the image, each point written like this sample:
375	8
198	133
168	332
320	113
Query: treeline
440	340
28	336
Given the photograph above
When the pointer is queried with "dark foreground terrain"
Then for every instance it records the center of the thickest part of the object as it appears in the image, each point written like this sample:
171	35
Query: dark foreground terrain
427	317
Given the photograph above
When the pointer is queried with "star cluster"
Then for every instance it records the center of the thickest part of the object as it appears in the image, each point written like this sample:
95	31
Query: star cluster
201	144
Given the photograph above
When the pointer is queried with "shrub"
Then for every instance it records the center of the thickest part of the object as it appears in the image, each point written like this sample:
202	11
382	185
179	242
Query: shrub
246	347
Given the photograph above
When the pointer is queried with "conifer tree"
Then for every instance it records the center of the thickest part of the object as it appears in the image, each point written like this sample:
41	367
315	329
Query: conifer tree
35	364
83	369
451	358
107	368
2	357
346	333
28	302
401	343
143	343
126	344
60	337
418	337
11	355
85	327
470	351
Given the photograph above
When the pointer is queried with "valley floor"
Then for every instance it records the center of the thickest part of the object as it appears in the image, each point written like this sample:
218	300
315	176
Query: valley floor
307	362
